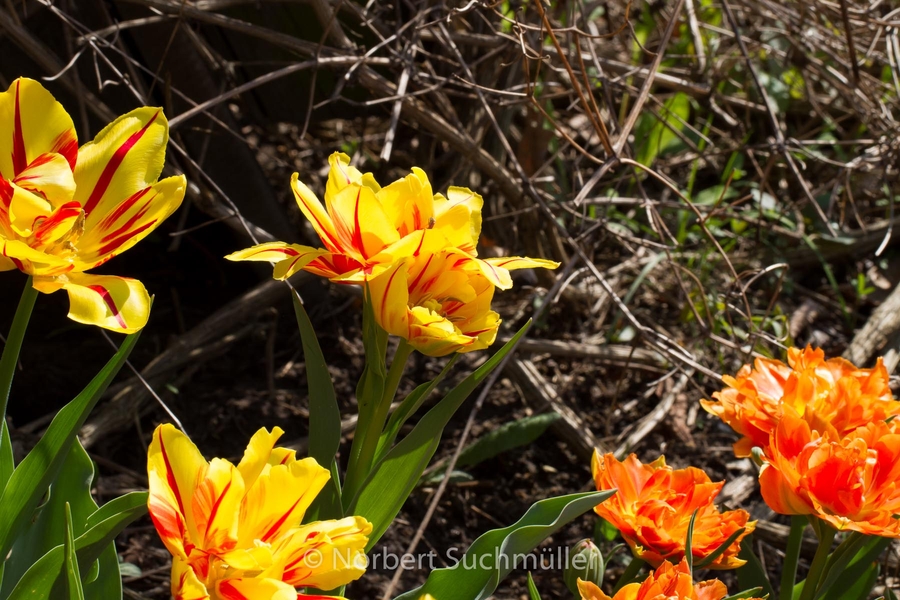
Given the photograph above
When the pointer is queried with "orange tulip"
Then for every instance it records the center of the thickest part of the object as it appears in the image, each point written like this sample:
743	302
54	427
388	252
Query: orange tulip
850	481
833	392
653	506
65	210
668	582
235	532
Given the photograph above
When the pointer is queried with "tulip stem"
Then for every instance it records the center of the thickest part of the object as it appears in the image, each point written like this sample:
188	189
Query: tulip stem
791	557
816	569
10	357
359	469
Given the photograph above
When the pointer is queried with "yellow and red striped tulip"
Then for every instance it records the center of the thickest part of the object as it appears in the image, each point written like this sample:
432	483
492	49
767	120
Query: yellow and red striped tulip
653	506
437	300
235	532
833	393
65	210
850	481
366	228
668	582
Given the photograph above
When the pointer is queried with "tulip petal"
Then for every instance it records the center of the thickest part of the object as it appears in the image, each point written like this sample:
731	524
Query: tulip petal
511	263
216	506
389	296
115	303
341	174
24	256
278	500
25	208
257	454
175	467
326	554
129	220
409	203
33	123
459	215
589	591
49	175
288	258
126	157
360	223
65	220
255	588
313	210
185	585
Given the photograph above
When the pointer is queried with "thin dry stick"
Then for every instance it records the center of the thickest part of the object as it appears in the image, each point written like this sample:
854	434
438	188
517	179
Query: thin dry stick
648	83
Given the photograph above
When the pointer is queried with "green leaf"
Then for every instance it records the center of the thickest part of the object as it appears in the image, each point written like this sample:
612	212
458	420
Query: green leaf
655	136
73	576
851	566
36	571
752	574
859	587
369	391
508	436
492	556
604	531
324	413
407	408
751	593
688	542
533	593
31	479
394	477
7	464
10	357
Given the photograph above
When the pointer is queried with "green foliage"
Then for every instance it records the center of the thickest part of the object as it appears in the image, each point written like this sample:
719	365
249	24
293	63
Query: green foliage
40	565
508	436
394	477
493	556
751	574
37	471
656	136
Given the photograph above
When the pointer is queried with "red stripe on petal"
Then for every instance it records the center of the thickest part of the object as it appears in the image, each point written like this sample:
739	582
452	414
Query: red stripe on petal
357	231
415	282
67	145
110	303
112	166
116	243
19	158
123	208
228	592
274	528
285	251
215	508
45	225
170	475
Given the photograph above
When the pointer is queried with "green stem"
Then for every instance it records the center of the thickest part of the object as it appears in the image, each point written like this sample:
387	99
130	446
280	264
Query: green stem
10	357
791	557
826	536
359	469
629	574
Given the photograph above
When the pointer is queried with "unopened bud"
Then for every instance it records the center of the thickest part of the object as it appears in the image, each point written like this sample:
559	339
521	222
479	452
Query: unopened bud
585	562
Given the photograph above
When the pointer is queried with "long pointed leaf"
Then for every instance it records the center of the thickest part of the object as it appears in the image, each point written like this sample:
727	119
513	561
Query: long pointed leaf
39	468
493	556
391	481
73	575
324	413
